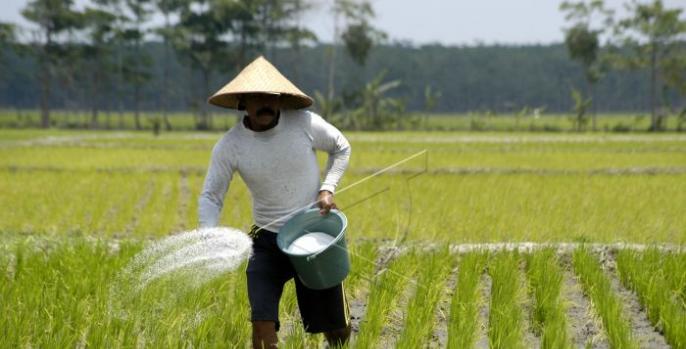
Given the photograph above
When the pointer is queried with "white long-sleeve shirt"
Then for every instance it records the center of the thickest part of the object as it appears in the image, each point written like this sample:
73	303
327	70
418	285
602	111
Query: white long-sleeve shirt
278	165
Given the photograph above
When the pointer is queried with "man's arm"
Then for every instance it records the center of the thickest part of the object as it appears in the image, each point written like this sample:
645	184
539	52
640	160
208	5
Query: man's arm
328	138
216	185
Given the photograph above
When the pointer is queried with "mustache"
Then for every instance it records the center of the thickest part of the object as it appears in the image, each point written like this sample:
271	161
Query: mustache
266	111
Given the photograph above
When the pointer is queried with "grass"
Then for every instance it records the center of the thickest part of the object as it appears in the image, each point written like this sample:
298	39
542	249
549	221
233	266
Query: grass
548	311
658	279
506	320
597	286
464	306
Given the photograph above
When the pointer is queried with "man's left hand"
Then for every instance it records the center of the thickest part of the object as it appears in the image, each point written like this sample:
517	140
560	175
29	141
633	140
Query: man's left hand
325	202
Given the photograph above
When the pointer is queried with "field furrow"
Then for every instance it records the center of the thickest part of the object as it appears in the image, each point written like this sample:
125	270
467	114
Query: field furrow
585	326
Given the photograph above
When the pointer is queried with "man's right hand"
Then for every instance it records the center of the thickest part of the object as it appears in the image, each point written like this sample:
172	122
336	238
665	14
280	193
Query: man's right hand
325	202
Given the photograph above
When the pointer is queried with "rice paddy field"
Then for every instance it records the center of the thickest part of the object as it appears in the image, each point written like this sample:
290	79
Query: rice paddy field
486	240
467	121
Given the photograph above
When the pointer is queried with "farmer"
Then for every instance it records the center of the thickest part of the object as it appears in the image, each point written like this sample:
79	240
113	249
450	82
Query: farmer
273	150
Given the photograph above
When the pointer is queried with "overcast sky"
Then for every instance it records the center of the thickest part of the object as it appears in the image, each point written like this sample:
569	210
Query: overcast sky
443	21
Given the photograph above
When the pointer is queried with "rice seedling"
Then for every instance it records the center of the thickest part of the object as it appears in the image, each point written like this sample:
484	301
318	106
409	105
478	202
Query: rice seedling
49	302
384	294
506	324
597	286
419	316
362	262
158	213
46	185
674	266
548	312
652	274
464	306
60	190
496	208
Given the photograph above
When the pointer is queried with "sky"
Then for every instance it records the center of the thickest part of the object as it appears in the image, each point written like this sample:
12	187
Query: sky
449	22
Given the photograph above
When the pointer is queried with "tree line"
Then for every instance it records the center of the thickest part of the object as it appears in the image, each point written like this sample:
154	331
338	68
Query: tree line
112	56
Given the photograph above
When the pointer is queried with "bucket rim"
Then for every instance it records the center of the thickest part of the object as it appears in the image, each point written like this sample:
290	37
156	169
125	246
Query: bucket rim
344	227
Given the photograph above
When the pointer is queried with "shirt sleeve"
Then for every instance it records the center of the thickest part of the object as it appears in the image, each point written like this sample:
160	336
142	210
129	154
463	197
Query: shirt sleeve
328	138
216	185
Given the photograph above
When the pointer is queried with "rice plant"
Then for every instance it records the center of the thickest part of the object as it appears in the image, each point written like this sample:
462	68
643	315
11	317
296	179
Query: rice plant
597	286
464	306
506	320
384	294
93	183
653	275
61	296
548	311
419	316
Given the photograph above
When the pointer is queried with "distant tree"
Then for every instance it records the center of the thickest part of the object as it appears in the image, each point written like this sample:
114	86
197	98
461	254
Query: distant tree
244	29
431	98
117	46
358	35
136	62
7	41
653	36
674	73
326	107
7	36
168	33
581	105
376	110
53	18
99	31
266	25
203	28
296	34
583	43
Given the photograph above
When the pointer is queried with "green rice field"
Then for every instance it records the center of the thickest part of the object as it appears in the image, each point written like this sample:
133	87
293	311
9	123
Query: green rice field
439	244
468	121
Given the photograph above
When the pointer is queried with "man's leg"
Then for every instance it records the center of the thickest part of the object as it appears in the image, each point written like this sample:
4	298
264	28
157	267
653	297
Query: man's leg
325	311
338	338
264	335
267	272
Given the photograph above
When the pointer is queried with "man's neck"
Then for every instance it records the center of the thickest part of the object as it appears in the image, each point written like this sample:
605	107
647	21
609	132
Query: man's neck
249	125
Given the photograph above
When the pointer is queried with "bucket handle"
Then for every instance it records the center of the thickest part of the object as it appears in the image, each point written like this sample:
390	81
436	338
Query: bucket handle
334	241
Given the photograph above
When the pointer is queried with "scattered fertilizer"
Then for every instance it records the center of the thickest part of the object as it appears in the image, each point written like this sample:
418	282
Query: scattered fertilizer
310	243
186	261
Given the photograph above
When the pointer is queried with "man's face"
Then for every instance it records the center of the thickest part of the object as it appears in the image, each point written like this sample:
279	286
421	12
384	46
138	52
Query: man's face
262	108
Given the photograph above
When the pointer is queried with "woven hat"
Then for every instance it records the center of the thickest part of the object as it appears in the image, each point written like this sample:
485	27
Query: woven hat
260	76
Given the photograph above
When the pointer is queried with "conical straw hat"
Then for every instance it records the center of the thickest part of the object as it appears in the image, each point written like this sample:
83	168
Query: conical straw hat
260	76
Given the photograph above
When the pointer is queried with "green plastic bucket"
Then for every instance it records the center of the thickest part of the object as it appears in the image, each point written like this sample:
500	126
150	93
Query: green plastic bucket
327	267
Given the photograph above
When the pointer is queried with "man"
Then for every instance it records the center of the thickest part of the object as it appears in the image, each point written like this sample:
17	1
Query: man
273	150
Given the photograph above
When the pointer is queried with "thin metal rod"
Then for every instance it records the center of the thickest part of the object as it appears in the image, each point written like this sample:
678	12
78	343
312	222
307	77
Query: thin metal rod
377	173
366	198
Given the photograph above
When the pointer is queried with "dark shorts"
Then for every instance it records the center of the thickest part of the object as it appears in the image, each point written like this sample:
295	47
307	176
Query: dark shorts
269	269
